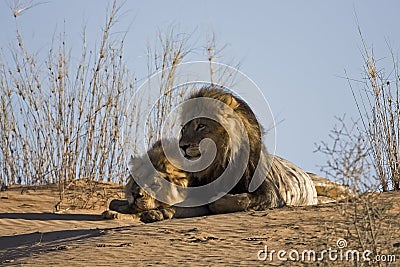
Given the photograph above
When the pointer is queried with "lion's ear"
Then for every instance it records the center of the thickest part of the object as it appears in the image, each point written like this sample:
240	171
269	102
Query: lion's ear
133	163
230	101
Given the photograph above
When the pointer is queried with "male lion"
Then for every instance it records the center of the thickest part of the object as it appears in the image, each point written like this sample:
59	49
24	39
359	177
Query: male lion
281	181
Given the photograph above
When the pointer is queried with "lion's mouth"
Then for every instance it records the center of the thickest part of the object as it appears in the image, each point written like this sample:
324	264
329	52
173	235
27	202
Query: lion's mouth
192	153
192	157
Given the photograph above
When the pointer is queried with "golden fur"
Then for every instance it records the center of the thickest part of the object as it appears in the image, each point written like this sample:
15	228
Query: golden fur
142	200
142	197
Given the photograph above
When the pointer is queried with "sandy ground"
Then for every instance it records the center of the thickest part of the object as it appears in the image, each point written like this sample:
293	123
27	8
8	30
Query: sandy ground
32	234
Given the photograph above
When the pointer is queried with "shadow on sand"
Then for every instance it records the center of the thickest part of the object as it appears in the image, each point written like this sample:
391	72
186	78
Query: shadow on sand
47	216
23	245
19	246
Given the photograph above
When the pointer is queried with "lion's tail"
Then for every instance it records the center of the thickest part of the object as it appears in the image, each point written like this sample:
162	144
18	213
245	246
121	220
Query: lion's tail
329	191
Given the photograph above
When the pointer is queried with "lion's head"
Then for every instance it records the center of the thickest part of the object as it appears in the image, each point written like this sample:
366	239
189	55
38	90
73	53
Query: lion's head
150	177
232	127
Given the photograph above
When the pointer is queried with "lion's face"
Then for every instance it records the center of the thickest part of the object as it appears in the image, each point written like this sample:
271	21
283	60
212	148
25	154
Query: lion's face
212	115
152	180
197	130
143	198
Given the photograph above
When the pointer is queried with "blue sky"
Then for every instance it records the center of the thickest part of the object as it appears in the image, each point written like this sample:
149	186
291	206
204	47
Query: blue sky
295	51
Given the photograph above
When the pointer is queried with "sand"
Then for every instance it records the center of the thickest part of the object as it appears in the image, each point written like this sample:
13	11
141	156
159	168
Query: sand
31	233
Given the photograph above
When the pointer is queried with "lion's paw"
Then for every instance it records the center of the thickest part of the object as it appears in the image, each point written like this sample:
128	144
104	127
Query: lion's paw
150	216
109	215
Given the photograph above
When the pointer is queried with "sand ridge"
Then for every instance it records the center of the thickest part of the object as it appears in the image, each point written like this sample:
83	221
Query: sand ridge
32	234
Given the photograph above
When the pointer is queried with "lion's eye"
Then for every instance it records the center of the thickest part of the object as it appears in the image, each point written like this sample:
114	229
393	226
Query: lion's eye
200	127
154	186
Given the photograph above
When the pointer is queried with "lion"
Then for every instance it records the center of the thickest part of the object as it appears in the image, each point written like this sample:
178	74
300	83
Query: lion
280	181
142	198
150	175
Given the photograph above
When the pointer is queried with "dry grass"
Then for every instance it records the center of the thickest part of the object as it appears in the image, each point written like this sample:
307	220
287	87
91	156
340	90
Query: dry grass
347	156
61	119
170	51
370	146
379	108
365	153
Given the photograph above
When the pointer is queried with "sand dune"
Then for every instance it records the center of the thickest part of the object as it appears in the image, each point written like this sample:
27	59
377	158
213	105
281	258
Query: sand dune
32	234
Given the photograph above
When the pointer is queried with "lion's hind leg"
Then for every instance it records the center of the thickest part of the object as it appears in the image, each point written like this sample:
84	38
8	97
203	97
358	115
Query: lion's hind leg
230	203
122	206
266	196
118	209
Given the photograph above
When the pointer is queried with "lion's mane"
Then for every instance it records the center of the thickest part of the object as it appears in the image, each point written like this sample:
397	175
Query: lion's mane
294	185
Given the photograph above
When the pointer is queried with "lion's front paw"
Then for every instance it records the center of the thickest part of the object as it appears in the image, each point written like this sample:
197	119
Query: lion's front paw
150	216
230	203
109	215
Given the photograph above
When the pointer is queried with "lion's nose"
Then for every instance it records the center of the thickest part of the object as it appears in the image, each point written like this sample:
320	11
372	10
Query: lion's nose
184	147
